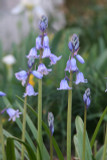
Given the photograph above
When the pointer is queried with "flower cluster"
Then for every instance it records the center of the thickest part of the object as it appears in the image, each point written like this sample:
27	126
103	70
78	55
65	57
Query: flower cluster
42	44
71	65
86	98
51	122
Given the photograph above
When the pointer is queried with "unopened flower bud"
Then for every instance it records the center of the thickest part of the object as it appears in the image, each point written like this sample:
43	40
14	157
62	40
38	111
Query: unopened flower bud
43	24
51	122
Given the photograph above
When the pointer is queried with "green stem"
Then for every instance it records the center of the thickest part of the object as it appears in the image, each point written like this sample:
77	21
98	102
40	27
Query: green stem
69	114
39	118
51	147
84	133
40	108
24	127
2	140
105	146
95	148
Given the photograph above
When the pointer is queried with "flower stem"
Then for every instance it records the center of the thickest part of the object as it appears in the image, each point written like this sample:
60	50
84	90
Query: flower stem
84	133
105	146
2	140
24	127
39	118
51	147
69	114
40	108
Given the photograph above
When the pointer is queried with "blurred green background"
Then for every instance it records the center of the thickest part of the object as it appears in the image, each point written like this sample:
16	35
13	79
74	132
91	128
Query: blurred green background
89	21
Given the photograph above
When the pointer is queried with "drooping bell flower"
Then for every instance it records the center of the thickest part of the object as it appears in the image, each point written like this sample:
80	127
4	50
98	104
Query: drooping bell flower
37	74
30	91
31	62
54	59
2	94
13	114
43	70
46	42
71	65
46	52
80	78
22	76
64	85
32	53
80	59
38	42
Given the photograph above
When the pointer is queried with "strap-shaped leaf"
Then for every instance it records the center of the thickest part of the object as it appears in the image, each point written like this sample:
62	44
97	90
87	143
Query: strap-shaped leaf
78	140
31	153
10	150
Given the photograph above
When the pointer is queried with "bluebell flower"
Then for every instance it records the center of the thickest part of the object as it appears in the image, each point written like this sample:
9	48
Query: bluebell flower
64	85
80	78
37	74
22	76
75	42
30	91
86	97
31	62
45	41
80	59
68	66
13	114
2	94
51	122
70	46
43	70
43	23
32	53
38	42
46	52
71	65
54	59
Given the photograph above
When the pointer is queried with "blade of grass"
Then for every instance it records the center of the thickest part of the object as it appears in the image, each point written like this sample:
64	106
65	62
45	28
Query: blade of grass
97	128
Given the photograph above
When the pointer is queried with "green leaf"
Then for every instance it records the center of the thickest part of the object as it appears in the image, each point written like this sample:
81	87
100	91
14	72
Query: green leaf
99	153
97	127
31	153
10	149
104	157
17	145
58	151
78	140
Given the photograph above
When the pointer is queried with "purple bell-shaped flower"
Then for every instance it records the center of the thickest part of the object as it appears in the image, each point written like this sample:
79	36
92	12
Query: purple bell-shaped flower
64	85
43	70
80	78
30	91
22	76
54	59
13	114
